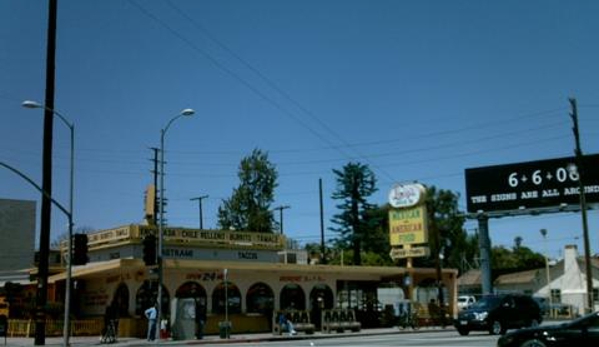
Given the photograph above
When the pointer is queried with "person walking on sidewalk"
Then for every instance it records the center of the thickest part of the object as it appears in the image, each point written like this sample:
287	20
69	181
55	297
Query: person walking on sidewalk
151	315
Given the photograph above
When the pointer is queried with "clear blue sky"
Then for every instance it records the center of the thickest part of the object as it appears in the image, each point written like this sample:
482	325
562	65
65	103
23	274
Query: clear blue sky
418	90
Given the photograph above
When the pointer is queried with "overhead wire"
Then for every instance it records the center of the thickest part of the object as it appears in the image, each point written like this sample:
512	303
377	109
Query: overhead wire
275	87
230	72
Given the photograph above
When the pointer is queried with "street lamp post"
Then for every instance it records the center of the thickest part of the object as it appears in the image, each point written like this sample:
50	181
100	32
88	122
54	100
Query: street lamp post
544	233
67	302
61	208
184	113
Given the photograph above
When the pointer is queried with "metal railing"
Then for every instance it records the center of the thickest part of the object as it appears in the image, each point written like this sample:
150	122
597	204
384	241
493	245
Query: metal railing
26	328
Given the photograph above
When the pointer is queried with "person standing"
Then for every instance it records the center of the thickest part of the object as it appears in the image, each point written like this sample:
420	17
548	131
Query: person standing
151	314
200	319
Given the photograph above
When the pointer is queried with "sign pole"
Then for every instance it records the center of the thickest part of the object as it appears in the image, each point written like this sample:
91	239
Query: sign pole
484	244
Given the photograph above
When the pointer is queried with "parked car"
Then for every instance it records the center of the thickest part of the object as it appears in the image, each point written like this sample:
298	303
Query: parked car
497	313
465	301
581	332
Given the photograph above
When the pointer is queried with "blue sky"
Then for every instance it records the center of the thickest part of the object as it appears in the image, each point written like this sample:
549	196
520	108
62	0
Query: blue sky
418	90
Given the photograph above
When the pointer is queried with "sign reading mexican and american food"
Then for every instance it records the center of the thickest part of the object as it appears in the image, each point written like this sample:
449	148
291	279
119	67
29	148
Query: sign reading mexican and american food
407	220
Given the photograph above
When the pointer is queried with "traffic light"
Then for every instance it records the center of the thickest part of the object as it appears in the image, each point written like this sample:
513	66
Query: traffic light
149	250
79	255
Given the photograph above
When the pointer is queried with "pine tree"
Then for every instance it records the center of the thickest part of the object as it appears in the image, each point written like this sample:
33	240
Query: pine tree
355	183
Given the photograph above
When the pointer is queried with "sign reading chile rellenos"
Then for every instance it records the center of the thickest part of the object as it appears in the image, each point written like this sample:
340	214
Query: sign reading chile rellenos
535	184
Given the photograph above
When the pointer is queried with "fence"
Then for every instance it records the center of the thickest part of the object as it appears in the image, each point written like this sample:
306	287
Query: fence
26	328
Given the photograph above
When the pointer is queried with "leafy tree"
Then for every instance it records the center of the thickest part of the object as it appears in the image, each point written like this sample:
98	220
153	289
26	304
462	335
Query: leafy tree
55	244
355	183
248	208
519	258
446	231
376	238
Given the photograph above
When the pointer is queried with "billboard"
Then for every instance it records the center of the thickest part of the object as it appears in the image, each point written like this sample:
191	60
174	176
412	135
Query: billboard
534	184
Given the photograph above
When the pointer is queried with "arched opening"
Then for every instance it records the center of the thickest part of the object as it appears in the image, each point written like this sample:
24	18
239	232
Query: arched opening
120	301
147	295
260	298
191	290
220	296
293	297
321	298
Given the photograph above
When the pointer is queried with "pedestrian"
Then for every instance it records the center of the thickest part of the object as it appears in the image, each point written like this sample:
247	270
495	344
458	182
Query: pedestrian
200	319
286	324
151	314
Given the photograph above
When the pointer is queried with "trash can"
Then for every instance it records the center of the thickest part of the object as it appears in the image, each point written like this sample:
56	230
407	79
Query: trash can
224	329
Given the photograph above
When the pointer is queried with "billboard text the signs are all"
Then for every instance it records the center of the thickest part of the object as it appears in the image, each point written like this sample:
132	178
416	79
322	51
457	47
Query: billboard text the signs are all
529	185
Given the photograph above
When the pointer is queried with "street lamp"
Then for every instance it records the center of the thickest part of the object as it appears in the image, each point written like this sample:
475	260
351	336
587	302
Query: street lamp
184	113
67	303
544	233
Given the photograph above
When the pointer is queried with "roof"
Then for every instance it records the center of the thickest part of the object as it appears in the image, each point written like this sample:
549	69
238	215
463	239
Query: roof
470	278
521	277
95	268
118	265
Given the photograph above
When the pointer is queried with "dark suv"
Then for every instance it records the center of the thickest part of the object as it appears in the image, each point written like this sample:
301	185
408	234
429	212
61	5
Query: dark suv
497	313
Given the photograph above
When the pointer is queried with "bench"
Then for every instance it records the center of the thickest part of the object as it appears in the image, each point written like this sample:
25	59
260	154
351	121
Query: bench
340	320
299	319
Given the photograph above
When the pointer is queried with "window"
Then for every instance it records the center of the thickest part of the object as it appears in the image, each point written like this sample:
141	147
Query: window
556	295
220	297
596	295
260	299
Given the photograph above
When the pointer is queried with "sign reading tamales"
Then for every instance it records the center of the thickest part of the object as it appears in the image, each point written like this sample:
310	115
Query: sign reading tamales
408	226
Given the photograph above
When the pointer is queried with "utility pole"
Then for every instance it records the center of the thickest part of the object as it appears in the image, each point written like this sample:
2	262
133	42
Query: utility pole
583	205
322	247
155	180
281	208
199	199
46	207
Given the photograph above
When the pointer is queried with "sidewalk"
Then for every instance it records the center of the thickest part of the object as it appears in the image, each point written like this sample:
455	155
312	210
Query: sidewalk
210	339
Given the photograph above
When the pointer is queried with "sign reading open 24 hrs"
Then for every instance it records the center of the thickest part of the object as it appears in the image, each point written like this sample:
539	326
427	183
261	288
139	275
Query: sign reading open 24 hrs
545	183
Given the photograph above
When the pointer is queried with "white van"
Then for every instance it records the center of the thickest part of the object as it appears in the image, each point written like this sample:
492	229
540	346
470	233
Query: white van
465	301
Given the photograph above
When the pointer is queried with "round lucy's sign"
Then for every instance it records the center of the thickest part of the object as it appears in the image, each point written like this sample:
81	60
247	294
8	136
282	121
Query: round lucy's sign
406	195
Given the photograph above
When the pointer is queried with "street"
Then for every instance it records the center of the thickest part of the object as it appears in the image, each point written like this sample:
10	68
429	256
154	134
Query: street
420	339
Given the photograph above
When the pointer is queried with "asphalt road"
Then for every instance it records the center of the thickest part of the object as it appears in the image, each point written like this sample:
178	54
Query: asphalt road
419	339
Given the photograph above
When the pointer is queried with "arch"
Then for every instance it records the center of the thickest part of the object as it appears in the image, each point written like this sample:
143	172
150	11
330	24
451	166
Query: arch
218	298
292	296
321	296
191	290
147	295
120	301
260	298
